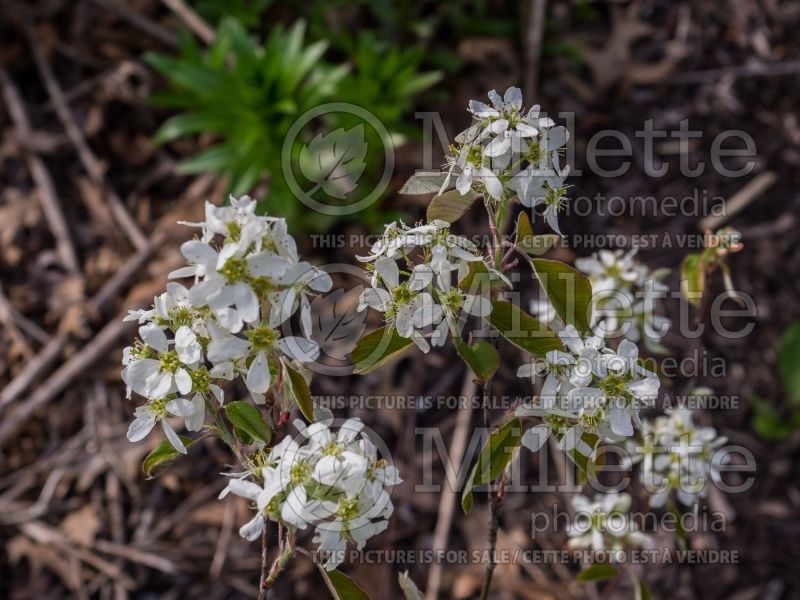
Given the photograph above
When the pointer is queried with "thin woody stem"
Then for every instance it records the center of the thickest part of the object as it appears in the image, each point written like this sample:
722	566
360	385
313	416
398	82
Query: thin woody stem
493	497
492	228
280	561
262	587
495	504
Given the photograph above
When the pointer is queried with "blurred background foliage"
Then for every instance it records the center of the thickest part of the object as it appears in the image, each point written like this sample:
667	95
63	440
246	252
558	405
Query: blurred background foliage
240	96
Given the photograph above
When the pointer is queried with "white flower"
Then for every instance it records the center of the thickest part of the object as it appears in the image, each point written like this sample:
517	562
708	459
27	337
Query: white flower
507	151
391	242
227	279
333	481
604	524
536	187
508	137
159	371
247	282
620	393
158	410
473	168
678	457
229	354
455	303
405	305
588	389
354	520
624	297
296	281
510	103
609	268
398	239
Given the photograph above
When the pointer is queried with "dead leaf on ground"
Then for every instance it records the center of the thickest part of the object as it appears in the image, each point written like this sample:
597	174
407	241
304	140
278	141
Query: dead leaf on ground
82	525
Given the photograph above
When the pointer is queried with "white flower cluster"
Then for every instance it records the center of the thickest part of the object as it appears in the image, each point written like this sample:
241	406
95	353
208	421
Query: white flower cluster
423	294
589	389
604	524
333	481
509	152
248	281
677	457
624	297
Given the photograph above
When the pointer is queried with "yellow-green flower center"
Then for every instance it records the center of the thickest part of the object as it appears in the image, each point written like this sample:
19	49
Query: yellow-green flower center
332	449
234	231
453	301
262	338
234	270
347	509
402	294
300	472
613	386
158	407
169	361
200	379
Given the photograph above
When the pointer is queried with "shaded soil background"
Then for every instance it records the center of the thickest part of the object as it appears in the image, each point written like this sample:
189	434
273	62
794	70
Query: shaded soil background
77	518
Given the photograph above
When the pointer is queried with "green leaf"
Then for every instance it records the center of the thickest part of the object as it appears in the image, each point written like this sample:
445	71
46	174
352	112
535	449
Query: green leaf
523	330
190	123
341	586
568	290
789	363
296	386
247	418
424	182
524	228
419	83
493	459
535	245
410	589
482	358
584	461
450	206
479	279
693	279
539	244
162	457
768	422
377	348
215	159
597	572
194	77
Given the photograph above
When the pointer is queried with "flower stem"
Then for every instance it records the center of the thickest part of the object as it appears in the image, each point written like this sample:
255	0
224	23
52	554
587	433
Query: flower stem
280	562
496	224
262	586
493	497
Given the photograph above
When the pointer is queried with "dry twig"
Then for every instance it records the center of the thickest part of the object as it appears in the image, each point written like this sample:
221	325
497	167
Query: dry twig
447	501
191	19
741	199
85	154
533	46
138	20
41	176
